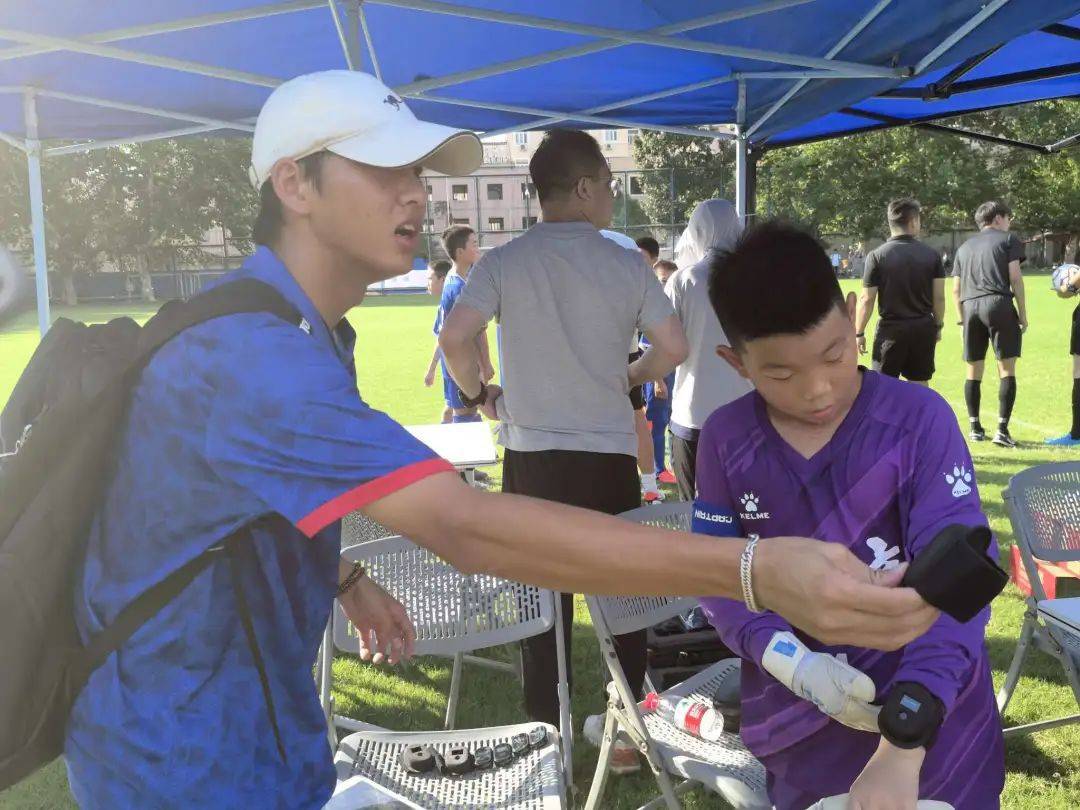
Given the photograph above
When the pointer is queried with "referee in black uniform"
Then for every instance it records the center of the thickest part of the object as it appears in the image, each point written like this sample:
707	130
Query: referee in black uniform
986	280
907	279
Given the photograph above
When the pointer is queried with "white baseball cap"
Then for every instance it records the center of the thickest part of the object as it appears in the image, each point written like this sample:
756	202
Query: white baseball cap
354	115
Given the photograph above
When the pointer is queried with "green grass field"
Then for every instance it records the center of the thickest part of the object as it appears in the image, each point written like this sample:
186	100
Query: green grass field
393	348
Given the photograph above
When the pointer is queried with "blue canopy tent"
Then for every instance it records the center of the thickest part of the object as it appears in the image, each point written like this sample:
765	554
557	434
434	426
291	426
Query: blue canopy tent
80	74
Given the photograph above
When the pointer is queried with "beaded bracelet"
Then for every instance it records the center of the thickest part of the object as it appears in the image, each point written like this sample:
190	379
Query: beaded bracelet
351	579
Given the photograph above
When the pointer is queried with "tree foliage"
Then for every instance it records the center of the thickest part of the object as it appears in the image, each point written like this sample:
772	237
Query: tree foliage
129	206
842	186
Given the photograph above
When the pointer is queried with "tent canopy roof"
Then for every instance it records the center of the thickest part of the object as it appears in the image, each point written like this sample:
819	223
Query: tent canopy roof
134	70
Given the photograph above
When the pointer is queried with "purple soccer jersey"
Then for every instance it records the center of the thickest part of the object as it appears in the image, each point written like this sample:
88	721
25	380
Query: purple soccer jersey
894	474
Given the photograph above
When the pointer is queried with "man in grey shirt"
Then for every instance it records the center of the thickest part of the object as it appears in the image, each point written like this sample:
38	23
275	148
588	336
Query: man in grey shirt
568	302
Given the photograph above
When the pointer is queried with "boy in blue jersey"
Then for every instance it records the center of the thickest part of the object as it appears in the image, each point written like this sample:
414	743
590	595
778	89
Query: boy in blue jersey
827	449
250	421
463	248
436	280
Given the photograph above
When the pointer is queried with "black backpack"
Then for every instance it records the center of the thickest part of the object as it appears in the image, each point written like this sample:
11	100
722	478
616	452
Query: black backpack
58	436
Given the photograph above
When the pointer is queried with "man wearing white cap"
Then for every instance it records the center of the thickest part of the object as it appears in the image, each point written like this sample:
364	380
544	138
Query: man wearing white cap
249	421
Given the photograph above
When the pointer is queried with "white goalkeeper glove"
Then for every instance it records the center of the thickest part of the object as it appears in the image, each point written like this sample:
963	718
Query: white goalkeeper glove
835	687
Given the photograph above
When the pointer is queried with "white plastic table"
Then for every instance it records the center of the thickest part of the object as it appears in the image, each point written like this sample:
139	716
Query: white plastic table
466	445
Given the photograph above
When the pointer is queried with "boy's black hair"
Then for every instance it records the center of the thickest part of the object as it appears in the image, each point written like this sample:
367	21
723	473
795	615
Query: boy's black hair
268	222
986	213
454	239
776	280
564	157
901	212
649	245
441	268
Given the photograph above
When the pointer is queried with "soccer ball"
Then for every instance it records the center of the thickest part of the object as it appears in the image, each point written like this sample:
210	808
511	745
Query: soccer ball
1062	273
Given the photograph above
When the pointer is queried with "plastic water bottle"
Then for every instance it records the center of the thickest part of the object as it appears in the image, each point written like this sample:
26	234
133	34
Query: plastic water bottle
687	714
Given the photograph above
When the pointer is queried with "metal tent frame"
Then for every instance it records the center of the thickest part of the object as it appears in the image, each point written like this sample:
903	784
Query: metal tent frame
349	21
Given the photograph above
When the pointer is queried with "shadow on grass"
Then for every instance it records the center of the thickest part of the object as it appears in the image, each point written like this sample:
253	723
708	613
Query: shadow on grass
1023	755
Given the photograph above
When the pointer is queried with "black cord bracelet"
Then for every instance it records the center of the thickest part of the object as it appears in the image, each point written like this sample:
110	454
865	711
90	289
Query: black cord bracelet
351	579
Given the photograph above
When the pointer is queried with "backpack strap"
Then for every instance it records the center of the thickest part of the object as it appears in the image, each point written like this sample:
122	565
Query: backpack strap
137	613
235	547
233	298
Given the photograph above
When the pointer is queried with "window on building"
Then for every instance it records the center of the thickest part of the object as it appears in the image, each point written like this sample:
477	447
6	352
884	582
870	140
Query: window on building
459	221
429	192
496	224
631	135
460	193
611	135
494	191
636	188
521	138
528	190
429	225
528	222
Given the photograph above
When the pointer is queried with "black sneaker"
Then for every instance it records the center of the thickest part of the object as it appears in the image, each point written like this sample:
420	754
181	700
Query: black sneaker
977	433
1003	439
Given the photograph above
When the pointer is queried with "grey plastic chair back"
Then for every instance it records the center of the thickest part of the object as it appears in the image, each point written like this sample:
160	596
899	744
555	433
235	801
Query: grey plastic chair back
453	612
356	528
1043	503
625	614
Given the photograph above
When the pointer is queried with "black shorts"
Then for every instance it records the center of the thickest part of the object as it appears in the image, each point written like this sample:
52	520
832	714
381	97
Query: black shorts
637	393
991	319
906	348
1074	338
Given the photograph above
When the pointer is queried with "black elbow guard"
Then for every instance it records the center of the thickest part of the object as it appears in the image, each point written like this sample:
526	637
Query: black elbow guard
911	716
954	574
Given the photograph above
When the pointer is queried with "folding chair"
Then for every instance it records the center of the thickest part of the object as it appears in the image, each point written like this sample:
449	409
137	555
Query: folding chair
1044	508
455	613
357	528
725	767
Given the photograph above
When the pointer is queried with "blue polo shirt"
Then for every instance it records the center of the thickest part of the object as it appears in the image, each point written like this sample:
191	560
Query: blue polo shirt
244	418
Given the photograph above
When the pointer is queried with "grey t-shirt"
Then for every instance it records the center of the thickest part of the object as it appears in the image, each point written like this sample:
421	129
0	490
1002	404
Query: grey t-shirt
568	303
982	263
705	381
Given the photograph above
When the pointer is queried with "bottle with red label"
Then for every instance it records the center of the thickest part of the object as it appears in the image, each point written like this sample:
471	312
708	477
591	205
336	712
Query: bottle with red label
687	714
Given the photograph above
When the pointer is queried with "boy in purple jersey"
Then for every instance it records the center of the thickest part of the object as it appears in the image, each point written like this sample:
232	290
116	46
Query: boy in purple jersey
827	449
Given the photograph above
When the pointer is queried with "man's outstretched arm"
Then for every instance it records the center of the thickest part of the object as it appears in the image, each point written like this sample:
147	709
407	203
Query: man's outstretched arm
819	587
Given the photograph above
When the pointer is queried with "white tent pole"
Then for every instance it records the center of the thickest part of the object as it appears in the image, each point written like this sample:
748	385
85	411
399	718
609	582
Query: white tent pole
139	58
139	108
740	155
857	29
592	119
37	209
639	37
357	9
986	11
740	178
173	26
626	102
343	37
594	47
13	142
93	146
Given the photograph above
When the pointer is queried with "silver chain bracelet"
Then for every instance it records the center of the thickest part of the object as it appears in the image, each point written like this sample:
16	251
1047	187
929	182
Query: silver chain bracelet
746	573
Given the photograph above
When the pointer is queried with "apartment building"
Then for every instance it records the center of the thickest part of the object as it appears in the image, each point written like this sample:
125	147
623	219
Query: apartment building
498	200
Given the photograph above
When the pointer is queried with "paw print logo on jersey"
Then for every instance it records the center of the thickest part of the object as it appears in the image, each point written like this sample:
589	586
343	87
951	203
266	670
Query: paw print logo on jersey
884	554
959	480
750	502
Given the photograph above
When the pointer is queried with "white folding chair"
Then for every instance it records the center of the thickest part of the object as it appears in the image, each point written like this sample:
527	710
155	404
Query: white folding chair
1044	508
725	767
532	782
456	613
357	528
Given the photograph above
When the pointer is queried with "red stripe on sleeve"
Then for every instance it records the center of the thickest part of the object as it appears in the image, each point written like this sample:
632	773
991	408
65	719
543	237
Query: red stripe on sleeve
364	494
